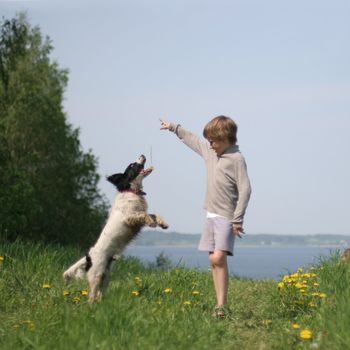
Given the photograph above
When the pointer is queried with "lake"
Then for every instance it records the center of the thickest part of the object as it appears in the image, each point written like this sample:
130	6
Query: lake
254	262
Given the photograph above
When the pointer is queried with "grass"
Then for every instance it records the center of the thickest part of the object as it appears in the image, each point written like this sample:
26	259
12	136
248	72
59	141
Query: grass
149	308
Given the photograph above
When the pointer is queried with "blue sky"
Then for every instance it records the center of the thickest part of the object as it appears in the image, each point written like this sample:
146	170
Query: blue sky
280	69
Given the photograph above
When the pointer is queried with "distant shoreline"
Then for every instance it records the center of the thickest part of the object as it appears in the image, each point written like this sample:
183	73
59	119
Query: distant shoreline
170	239
242	245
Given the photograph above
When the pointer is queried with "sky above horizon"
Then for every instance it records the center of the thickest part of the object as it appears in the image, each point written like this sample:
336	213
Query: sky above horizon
279	69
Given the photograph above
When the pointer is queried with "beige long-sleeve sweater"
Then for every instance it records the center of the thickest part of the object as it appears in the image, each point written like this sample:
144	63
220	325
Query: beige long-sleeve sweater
228	185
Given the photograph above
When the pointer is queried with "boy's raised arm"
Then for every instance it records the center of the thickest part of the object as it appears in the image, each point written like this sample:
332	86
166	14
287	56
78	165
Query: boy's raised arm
189	139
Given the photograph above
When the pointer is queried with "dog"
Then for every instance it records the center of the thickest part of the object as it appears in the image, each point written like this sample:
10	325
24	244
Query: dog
126	219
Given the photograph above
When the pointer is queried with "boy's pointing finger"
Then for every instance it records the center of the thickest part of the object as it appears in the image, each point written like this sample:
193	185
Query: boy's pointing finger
164	124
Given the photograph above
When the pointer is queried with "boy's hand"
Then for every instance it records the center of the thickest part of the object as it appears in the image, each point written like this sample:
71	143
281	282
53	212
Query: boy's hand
164	125
237	230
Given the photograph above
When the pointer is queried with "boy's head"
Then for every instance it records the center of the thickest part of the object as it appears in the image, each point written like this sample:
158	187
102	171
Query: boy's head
221	128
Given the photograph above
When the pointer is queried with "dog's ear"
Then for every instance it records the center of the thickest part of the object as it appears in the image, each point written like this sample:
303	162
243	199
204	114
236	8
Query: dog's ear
119	181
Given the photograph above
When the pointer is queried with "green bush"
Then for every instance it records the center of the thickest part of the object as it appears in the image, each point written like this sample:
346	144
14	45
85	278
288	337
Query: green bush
48	184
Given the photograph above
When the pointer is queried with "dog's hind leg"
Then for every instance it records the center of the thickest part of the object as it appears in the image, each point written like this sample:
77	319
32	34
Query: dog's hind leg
98	282
77	270
105	279
95	283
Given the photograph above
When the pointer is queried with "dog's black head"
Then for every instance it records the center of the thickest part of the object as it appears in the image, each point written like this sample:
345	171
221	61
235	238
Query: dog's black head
132	176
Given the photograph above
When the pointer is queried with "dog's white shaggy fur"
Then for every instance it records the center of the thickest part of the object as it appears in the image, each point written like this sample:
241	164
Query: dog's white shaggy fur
128	215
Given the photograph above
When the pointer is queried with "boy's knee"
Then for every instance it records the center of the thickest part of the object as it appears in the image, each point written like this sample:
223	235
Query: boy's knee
218	258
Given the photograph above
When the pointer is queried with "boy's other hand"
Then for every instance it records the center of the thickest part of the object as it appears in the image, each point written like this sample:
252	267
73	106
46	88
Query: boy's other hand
164	125
237	230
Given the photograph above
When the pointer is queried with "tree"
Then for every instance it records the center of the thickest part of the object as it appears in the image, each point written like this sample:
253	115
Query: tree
48	183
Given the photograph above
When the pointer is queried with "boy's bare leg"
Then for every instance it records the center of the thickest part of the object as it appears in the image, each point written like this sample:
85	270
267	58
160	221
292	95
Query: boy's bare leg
218	261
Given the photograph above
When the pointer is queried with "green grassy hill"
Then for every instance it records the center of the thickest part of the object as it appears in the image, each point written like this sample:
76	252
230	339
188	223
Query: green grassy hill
167	309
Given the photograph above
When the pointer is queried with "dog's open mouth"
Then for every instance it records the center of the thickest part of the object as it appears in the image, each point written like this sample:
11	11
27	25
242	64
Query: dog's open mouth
147	171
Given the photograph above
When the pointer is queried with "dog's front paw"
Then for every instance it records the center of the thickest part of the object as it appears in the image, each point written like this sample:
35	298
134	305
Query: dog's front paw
164	225
161	223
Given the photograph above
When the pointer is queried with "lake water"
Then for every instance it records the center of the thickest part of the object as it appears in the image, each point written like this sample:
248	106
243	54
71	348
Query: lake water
253	262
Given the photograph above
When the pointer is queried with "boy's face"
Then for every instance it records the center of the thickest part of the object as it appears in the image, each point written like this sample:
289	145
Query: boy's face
219	146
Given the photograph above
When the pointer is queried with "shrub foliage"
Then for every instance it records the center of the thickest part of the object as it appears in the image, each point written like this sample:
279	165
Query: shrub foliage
48	186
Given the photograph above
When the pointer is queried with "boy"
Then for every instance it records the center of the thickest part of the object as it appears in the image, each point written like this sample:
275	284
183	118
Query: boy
227	197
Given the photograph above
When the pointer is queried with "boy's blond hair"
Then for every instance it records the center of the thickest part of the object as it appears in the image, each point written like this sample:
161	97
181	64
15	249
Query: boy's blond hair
221	128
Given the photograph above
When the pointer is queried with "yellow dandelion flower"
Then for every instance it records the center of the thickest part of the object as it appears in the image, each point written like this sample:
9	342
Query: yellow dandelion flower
137	279
27	323
302	290
136	293
195	292
306	334
322	295
76	299
158	302
187	302
280	285
84	292
66	292
295	325
298	285
2	258
316	284
311	304
266	322
30	324
315	294
46	286
168	290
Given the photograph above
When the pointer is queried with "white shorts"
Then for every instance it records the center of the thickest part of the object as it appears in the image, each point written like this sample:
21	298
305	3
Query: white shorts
217	235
